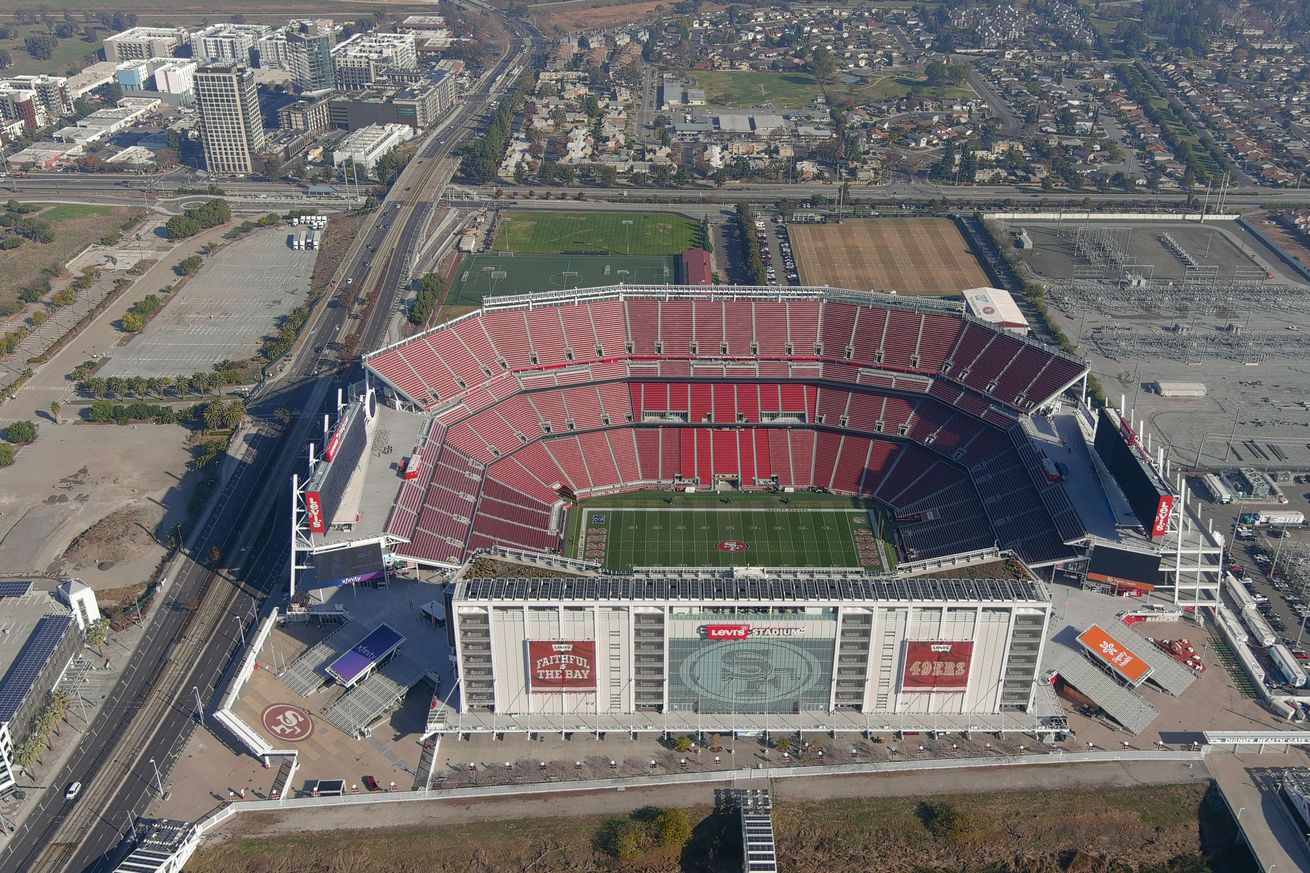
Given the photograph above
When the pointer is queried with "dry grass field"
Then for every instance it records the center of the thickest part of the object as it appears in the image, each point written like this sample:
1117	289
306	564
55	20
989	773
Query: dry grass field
923	257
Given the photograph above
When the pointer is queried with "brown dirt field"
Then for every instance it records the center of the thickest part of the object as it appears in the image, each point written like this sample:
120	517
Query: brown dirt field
922	257
124	535
1041	831
570	16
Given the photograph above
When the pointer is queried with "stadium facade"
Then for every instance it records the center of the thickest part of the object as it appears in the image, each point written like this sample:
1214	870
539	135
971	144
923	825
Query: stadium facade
730	649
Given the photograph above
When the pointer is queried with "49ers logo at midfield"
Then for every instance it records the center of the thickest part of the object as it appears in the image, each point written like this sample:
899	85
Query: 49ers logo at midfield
732	546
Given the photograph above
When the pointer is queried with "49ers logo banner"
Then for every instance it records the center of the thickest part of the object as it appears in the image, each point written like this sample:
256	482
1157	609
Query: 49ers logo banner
314	512
936	666
561	666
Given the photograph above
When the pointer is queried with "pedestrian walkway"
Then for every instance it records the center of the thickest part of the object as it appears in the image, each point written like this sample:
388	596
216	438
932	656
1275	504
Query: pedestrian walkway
1262	816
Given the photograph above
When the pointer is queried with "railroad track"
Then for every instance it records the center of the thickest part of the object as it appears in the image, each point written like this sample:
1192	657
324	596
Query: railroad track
217	592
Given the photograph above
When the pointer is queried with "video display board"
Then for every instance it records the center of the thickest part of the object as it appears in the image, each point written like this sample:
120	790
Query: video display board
351	566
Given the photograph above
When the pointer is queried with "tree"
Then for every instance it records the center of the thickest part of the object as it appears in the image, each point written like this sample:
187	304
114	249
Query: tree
54	410
41	46
21	432
672	829
132	321
97	633
214	414
181	227
824	66
784	744
683	743
233	412
188	266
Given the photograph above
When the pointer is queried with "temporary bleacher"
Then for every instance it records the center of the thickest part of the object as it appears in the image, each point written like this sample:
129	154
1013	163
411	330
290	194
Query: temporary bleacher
366	702
308	673
1120	703
1172	677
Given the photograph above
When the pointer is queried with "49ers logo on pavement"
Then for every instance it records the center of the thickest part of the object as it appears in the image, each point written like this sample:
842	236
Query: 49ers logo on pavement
287	722
732	546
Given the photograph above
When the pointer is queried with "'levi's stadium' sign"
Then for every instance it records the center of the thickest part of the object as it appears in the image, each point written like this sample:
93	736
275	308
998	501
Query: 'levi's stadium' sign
557	666
745	631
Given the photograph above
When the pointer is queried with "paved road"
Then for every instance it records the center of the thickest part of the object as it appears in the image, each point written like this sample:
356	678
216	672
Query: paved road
897	193
151	711
1249	785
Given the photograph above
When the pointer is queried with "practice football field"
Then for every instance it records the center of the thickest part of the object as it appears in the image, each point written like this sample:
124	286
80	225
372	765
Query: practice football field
705	531
595	233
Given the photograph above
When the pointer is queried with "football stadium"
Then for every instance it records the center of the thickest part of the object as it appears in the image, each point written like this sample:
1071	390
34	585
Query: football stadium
659	508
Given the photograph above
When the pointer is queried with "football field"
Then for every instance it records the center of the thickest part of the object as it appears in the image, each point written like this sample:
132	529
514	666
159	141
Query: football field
707	531
495	275
595	233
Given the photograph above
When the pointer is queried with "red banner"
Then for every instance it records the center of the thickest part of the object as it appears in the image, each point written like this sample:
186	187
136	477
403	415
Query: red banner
333	443
1162	511
556	666
936	666
314	512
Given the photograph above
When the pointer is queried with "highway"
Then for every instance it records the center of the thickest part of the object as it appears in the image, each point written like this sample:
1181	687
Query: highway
239	557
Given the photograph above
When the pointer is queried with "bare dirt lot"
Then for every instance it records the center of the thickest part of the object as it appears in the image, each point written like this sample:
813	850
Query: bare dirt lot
923	257
93	501
572	15
1031	829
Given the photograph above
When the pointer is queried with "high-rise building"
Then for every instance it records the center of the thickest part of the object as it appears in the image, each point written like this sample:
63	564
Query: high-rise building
231	127
309	54
143	43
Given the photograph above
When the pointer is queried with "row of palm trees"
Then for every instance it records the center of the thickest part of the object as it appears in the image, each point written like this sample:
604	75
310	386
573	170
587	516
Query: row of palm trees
156	386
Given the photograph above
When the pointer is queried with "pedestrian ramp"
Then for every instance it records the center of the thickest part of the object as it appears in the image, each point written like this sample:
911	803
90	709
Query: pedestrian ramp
1121	704
366	702
1168	673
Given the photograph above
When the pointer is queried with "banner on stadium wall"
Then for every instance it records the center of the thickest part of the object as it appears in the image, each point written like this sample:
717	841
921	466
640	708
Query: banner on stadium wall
334	442
1162	511
314	512
748	631
560	666
936	665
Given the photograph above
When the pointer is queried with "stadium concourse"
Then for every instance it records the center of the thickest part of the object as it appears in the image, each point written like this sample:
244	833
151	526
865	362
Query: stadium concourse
534	401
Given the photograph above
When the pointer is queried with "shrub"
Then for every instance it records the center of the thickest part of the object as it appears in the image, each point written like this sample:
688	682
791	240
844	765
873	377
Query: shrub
672	829
188	266
21	432
6	454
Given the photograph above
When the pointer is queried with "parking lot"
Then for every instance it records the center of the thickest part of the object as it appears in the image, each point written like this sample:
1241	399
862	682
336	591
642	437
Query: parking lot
222	312
775	249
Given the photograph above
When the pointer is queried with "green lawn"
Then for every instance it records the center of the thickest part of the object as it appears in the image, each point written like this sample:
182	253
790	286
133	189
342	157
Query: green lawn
491	275
617	233
69	211
68	54
742	89
658	528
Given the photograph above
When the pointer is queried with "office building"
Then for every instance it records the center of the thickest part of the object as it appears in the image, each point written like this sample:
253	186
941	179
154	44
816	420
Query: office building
365	146
231	127
142	43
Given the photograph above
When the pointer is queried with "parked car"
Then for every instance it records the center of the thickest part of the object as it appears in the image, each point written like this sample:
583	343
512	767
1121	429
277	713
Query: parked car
371	784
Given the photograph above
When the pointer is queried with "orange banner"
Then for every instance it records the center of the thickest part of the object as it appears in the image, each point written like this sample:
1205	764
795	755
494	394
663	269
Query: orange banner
1114	654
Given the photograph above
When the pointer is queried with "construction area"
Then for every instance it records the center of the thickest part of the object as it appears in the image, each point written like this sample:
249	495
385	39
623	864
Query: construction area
923	257
1171	301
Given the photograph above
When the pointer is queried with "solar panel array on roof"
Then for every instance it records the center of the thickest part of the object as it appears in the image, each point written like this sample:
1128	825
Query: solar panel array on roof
785	589
31	661
15	589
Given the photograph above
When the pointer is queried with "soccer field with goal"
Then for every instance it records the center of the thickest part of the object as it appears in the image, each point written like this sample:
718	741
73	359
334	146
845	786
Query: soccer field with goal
658	529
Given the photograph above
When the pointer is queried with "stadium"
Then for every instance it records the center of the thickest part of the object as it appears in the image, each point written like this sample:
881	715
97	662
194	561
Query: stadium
728	506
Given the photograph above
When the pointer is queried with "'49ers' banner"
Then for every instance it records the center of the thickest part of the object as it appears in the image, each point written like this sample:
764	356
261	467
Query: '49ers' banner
936	666
556	666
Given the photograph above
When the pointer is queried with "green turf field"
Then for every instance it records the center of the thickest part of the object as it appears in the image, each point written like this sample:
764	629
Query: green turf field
658	528
491	275
618	233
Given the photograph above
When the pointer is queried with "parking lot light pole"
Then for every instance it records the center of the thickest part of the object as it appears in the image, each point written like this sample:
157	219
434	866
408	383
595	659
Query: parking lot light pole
159	783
